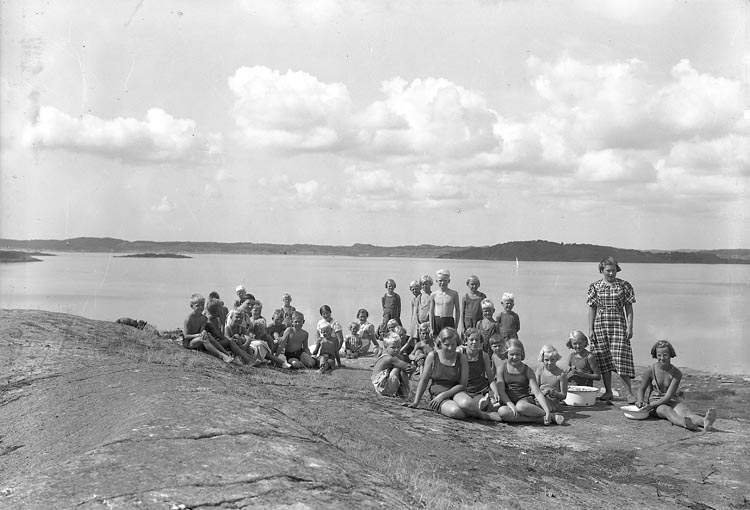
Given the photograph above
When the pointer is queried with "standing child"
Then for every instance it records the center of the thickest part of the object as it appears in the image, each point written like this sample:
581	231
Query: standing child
448	371
194	332
508	322
391	303
444	304
582	367
287	309
519	392
471	305
424	299
353	344
658	392
481	387
390	374
552	379
487	326
326	349
416	290
293	344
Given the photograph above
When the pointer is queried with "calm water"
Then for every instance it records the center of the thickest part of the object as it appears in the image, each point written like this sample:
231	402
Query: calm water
702	309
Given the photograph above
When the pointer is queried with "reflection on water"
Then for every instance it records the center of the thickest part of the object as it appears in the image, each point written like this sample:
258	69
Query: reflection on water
702	309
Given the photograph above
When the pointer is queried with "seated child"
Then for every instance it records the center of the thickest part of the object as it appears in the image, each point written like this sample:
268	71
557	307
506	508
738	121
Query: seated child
390	374
407	343
367	334
658	392
476	401
582	367
276	329
353	344
551	378
325	350
214	328
424	346
293	344
194	333
519	392
445	376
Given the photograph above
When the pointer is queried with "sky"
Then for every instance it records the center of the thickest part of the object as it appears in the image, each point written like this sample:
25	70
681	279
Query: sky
448	122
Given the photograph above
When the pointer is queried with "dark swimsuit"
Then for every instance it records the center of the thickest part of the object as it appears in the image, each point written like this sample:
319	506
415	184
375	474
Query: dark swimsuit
516	385
477	384
445	377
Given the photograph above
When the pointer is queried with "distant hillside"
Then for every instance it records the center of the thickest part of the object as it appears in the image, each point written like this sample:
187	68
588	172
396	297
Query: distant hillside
523	250
561	252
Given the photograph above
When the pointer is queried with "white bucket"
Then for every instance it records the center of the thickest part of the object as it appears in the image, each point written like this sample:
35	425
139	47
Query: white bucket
581	395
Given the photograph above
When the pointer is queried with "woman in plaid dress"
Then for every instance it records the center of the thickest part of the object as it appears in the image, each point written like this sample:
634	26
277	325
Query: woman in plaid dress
610	303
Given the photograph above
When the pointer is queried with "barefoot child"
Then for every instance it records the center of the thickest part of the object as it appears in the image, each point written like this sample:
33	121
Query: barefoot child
471	304
448	372
325	350
582	367
214	328
391	303
195	336
658	392
325	313
293	344
424	299
390	374
444	304
519	392
508	322
481	386
276	329
551	379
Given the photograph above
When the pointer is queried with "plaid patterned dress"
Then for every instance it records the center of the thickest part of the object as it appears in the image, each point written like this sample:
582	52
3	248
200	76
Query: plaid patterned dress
609	344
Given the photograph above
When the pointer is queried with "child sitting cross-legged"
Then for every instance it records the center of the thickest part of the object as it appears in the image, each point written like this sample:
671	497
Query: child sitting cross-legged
390	375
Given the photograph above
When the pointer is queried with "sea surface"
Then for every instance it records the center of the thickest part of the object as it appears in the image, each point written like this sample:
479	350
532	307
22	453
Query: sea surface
703	309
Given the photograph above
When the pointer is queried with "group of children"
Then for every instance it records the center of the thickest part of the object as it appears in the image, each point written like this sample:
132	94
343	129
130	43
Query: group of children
469	360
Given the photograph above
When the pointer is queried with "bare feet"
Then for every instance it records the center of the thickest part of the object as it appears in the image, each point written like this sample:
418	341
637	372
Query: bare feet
559	419
709	419
605	397
227	359
689	424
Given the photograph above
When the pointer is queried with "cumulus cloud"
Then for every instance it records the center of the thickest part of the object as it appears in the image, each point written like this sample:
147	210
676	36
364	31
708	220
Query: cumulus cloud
428	119
158	138
292	111
165	205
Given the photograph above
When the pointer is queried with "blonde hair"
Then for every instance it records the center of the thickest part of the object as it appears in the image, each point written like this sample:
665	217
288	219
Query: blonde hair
472	278
508	296
577	334
549	349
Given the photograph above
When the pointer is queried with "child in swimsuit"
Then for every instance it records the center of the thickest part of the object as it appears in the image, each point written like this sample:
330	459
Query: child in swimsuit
481	385
471	304
391	303
390	374
287	309
444	304
353	344
325	350
293	344
519	392
582	367
423	347
551	379
658	392
508	321
448	372
487	326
